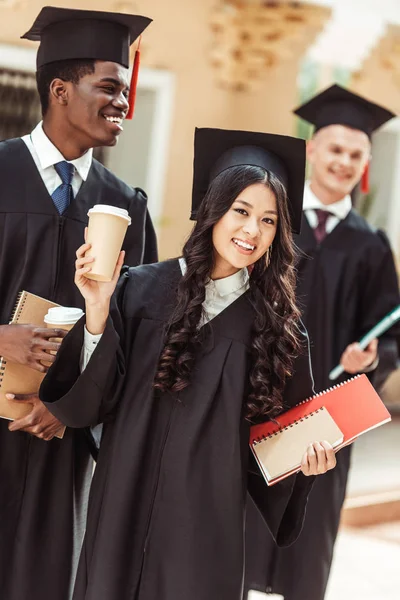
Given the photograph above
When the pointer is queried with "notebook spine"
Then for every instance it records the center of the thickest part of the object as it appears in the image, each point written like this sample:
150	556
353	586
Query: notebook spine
259	439
16	312
263	438
334	387
19	305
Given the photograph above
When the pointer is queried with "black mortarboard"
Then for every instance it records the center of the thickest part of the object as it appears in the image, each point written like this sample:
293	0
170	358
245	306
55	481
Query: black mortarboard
66	33
338	106
216	150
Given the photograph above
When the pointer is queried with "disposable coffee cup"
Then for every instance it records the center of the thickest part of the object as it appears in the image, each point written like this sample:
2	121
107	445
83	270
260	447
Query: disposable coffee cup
61	317
106	233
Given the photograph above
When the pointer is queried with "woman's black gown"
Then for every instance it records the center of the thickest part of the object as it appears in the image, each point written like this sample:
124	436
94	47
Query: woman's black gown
167	504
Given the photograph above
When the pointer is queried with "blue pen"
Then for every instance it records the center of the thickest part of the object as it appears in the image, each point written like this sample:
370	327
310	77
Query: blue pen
383	325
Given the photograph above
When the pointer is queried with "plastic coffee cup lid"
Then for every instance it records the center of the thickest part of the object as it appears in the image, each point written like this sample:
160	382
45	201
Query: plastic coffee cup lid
106	209
64	315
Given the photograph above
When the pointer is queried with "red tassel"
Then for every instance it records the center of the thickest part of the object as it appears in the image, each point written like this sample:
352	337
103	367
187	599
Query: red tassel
365	180
134	80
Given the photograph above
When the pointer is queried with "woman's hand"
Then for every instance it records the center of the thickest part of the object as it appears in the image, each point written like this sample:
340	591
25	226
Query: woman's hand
318	459
97	294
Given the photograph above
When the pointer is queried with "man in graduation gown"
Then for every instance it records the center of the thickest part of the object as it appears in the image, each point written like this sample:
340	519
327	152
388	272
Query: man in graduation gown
49	180
347	282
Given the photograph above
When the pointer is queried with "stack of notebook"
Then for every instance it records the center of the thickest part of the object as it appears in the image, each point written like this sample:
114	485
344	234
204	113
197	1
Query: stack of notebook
338	415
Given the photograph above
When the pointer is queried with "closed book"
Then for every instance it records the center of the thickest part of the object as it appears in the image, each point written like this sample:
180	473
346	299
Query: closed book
279	454
16	378
354	406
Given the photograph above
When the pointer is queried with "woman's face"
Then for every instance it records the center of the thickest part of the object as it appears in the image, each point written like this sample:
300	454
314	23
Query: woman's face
246	231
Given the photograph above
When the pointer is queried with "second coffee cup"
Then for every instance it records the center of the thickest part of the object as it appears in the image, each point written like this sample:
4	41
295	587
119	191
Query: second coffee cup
61	317
106	232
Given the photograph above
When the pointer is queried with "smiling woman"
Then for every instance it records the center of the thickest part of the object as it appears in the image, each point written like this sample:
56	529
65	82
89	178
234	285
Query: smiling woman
246	231
174	483
243	212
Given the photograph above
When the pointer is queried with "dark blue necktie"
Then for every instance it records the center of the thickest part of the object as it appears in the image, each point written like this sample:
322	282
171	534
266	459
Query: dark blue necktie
63	195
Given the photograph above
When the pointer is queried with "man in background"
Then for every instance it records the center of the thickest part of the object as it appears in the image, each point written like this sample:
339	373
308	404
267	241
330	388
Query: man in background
346	283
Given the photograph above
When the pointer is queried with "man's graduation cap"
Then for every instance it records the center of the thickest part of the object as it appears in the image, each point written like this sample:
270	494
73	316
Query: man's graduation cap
338	106
66	33
216	150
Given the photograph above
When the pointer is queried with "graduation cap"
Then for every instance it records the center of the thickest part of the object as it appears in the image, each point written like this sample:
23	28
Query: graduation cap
338	106
216	150
66	33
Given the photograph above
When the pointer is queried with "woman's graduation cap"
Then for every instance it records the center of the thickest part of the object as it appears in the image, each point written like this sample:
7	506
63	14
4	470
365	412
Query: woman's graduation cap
338	106
216	150
66	33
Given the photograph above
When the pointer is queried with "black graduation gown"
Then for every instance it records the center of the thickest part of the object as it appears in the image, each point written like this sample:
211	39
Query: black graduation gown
167	503
44	485
345	286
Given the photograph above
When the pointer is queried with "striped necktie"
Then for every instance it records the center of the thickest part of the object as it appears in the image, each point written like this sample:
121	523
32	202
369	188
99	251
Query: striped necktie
63	195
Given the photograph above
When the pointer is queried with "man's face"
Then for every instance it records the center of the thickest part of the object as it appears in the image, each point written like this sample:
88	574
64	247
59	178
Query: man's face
98	104
338	156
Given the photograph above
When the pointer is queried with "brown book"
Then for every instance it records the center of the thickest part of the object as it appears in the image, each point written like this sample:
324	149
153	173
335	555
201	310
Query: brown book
352	407
16	378
279	454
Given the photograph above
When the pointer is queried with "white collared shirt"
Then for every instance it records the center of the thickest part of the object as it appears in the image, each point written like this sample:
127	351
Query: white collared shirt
221	292
46	155
339	209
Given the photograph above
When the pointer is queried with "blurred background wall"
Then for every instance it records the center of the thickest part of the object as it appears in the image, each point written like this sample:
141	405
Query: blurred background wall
221	63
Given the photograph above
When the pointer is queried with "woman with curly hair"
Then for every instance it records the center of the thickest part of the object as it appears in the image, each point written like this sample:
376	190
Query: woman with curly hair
190	353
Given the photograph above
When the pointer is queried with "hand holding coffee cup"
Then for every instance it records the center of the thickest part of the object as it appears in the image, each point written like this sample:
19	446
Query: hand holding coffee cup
95	293
61	317
106	232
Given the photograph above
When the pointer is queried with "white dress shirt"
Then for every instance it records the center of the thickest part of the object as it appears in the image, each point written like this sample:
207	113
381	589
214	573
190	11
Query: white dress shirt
46	155
221	292
339	209
219	295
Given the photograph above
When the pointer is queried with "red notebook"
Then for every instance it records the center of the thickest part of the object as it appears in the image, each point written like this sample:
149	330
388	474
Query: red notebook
354	406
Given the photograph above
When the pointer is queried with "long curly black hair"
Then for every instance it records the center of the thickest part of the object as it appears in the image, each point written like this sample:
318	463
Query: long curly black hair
275	336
